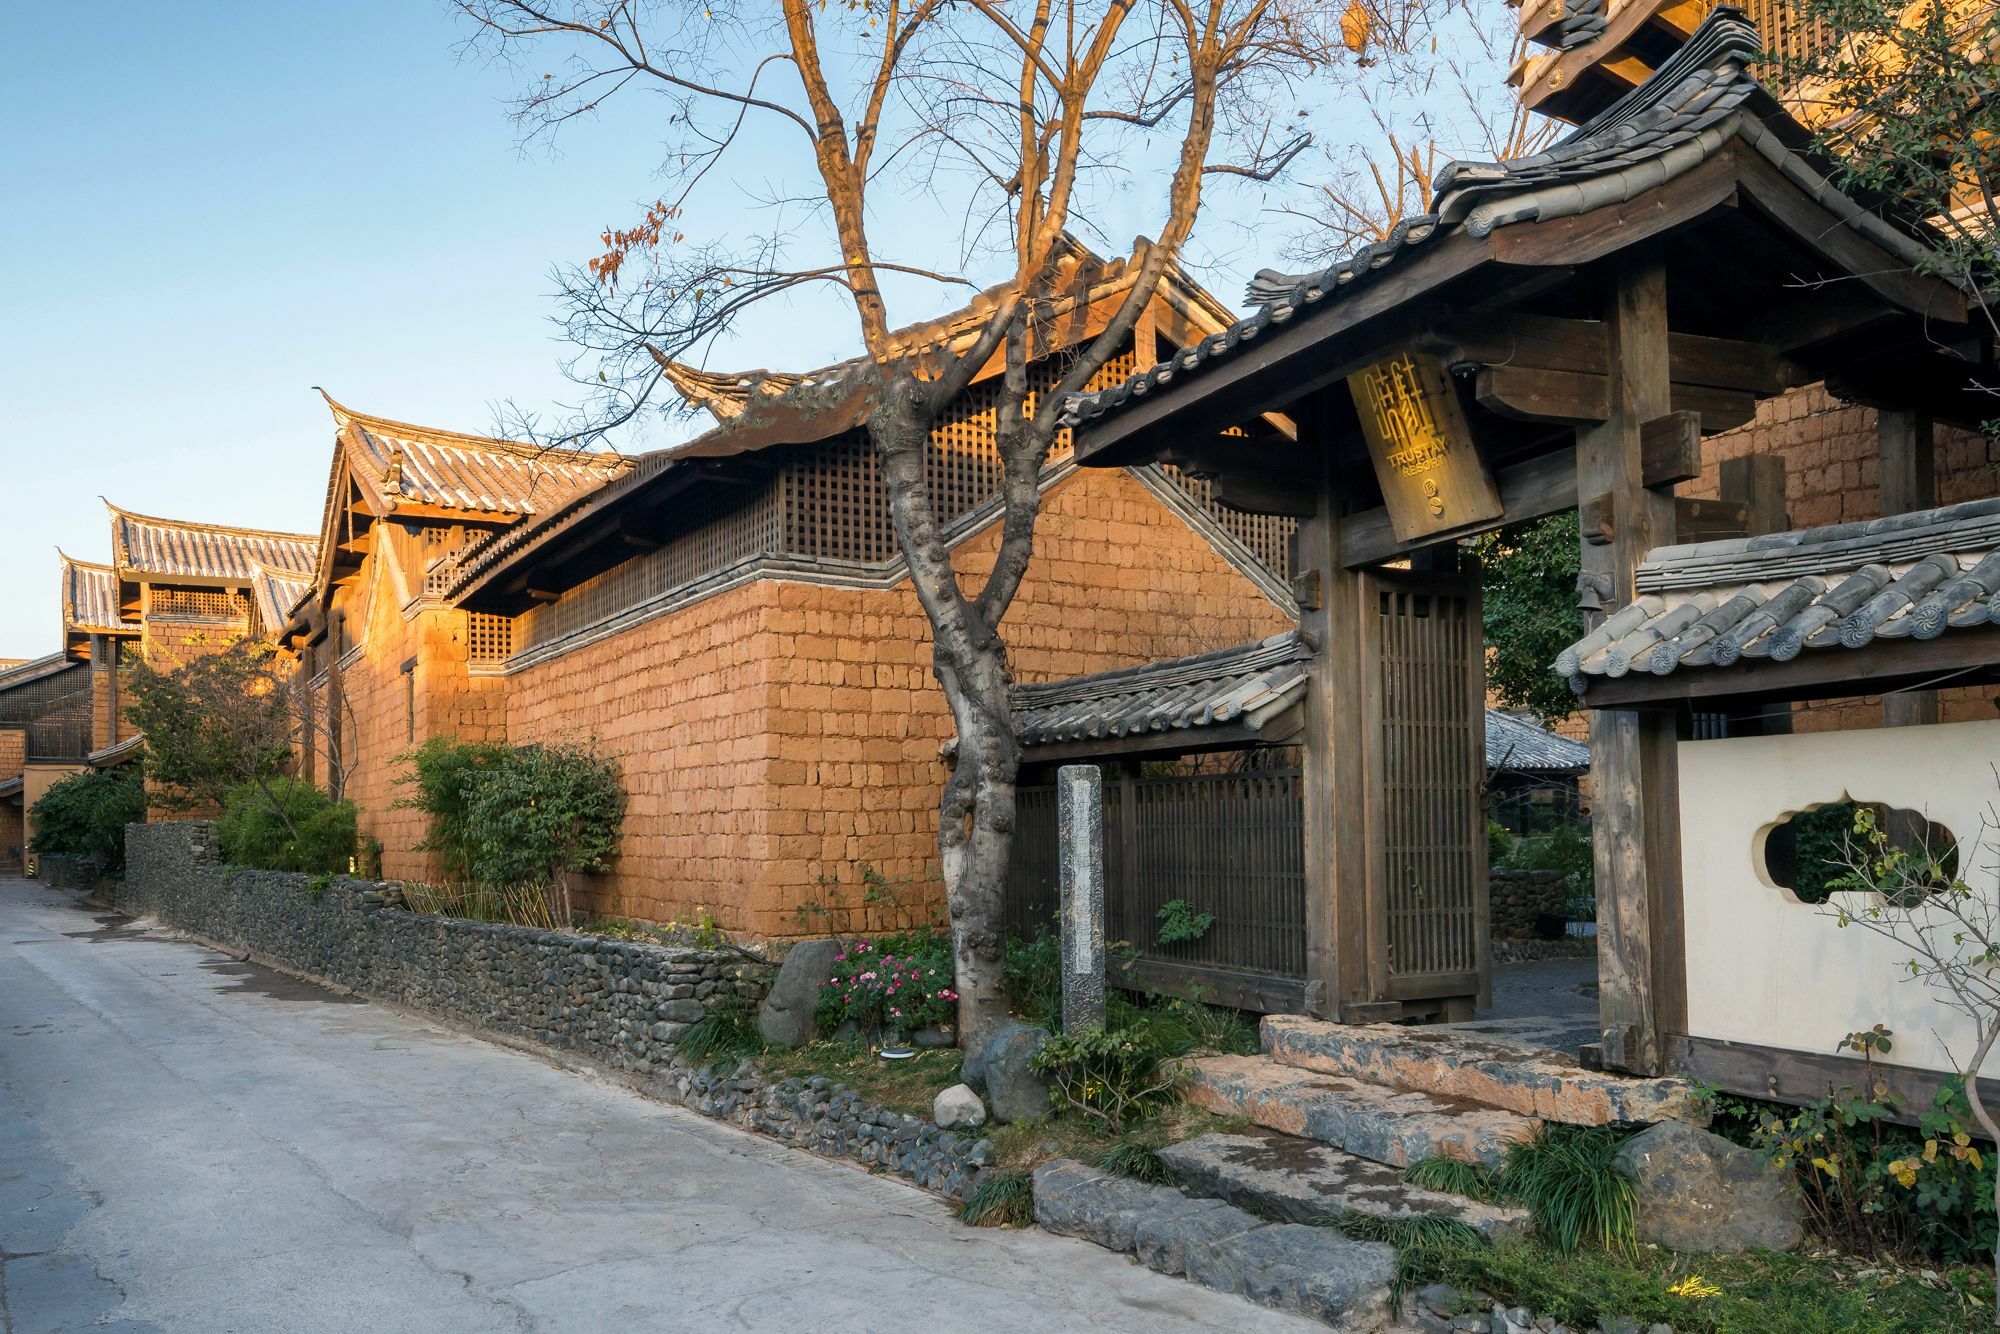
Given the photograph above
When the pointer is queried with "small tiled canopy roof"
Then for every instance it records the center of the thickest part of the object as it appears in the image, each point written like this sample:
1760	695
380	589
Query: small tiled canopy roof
1842	587
117	753
1249	687
11	787
1246	695
90	599
398	463
1699	100
276	592
167	549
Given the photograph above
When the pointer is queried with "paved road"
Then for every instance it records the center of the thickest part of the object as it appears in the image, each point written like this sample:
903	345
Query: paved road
187	1143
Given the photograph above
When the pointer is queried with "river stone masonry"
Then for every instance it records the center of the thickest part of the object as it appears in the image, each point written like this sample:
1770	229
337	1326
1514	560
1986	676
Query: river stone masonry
619	1003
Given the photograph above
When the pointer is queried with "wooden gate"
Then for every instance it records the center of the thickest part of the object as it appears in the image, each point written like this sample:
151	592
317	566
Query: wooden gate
1425	765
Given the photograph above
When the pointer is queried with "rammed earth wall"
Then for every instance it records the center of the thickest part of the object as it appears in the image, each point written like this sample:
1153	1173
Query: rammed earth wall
619	1003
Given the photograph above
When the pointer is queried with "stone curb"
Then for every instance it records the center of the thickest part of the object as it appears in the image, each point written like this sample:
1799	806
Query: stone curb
1308	1271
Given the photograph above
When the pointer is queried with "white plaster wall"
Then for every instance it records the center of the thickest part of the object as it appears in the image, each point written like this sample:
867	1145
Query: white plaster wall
1767	969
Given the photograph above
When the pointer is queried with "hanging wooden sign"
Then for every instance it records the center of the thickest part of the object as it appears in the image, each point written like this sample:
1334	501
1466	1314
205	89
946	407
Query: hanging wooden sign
1433	480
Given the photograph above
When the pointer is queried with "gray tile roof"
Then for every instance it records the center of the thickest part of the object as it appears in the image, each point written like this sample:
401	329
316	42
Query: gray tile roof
1713	604
165	549
1251	685
21	673
1698	100
90	599
1518	745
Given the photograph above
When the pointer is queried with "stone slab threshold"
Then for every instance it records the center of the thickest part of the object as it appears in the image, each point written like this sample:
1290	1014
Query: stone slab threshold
1395	1127
1309	1271
1291	1180
1477	1064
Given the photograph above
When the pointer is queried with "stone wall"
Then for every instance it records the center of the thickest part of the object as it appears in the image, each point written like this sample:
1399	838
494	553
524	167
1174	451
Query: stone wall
1515	897
619	1002
66	870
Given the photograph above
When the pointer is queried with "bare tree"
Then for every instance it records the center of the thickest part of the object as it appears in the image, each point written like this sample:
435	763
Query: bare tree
1022	118
1441	98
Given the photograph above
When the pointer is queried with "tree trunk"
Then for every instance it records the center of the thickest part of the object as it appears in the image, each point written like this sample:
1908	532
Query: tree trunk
976	809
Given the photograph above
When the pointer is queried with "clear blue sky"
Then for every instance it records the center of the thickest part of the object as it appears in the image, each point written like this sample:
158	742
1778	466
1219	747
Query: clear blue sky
209	208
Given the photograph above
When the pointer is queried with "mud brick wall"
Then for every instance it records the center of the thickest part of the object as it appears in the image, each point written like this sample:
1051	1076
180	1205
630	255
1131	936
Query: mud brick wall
622	1003
777	737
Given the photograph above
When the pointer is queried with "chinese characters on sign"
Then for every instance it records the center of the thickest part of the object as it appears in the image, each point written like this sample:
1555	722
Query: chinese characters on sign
1432	478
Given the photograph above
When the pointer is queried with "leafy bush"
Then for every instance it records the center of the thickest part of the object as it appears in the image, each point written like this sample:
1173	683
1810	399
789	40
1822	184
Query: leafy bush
522	816
1179	922
213	723
286	824
898	982
443	773
1870	1185
1114	1076
86	813
1529	608
546	810
1033	967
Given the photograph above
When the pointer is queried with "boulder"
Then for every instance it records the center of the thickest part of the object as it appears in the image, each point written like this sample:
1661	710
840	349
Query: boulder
1000	1065
958	1108
1698	1192
786	1016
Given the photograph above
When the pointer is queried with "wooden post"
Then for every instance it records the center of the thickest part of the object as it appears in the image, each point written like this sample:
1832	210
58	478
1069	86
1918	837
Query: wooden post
1338	927
1633	760
1906	471
1757	482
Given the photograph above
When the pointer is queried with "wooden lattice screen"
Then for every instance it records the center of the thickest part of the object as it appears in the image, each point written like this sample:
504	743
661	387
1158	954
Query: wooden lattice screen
1426	715
1268	536
208	604
56	711
488	639
1231	844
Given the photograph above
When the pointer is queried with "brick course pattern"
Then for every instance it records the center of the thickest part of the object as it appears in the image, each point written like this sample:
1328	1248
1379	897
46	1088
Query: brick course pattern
777	737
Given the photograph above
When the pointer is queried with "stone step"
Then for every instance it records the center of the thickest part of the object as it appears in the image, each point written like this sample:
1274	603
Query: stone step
1465	1063
1293	1180
1311	1271
1393	1126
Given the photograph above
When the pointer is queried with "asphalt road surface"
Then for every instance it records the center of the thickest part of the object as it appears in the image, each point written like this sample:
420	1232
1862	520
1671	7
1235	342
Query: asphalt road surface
189	1143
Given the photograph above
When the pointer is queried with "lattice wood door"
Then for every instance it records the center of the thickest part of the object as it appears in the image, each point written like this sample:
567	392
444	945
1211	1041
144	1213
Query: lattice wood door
1426	764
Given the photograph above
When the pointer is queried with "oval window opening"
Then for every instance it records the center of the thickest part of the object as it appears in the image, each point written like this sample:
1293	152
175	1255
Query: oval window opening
1816	851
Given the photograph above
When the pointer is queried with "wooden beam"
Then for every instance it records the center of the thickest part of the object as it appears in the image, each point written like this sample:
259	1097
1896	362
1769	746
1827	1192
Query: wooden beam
1709	520
1264	495
1547	342
1906	472
1632	755
1670	449
1758	482
1542	485
1583	237
1533	394
1779	1074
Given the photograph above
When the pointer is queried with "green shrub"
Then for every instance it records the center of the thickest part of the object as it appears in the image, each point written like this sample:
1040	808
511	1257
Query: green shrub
544	811
1567	849
722	1032
896	982
1033	967
1115	1076
1003	1199
1179	922
318	838
1141	1162
443	773
86	813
